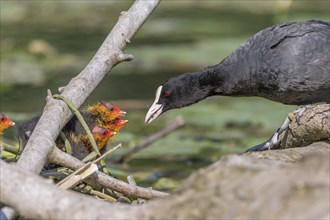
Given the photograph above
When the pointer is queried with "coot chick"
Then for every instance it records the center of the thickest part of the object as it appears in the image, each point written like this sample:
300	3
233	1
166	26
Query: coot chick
287	63
80	143
105	111
115	125
5	122
75	134
102	114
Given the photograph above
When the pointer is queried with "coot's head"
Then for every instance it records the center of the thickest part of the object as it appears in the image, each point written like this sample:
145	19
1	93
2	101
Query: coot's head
177	92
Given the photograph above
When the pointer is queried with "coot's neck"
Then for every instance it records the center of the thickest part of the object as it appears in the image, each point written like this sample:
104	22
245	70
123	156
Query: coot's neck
222	79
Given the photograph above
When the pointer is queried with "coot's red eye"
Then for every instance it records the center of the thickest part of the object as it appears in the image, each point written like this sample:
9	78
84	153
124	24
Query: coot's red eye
167	94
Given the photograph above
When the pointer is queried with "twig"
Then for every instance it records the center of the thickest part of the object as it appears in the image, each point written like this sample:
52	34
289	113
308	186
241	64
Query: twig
66	160
179	122
77	176
102	195
108	153
131	180
89	157
83	172
52	202
51	173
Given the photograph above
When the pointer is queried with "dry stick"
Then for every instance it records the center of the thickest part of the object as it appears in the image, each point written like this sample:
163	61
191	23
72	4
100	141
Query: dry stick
102	195
52	202
64	159
81	171
108	153
77	176
179	122
56	113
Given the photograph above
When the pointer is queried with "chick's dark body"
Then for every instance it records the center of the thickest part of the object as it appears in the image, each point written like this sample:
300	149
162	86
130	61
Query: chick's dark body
73	131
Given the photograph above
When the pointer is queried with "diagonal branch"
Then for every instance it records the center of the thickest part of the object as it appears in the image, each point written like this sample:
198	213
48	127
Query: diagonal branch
56	113
179	122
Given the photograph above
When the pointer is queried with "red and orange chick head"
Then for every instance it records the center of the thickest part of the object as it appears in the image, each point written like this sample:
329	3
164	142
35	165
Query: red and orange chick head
116	125
5	122
102	135
105	111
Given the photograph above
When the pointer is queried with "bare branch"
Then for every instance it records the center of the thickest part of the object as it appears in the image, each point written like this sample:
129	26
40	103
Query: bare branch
64	159
56	113
77	176
179	122
124	57
55	203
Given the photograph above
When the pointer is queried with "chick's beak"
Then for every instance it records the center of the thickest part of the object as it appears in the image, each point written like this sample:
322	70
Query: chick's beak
156	109
112	133
122	122
9	123
119	112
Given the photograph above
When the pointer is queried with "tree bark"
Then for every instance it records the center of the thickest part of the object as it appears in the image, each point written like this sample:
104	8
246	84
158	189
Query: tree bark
312	126
36	198
280	184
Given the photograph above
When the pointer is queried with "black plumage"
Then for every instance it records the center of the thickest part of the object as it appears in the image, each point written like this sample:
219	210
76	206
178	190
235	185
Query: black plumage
287	63
73	131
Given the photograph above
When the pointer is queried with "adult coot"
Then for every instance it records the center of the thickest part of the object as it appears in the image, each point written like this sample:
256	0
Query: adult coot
287	63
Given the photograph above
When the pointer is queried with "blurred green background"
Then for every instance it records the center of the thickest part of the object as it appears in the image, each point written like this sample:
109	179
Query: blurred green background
46	43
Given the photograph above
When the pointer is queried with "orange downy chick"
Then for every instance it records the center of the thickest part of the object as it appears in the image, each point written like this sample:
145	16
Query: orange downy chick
5	122
116	125
81	146
105	111
101	136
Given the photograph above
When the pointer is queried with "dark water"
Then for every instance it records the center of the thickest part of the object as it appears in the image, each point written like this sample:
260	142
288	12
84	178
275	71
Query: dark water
29	99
